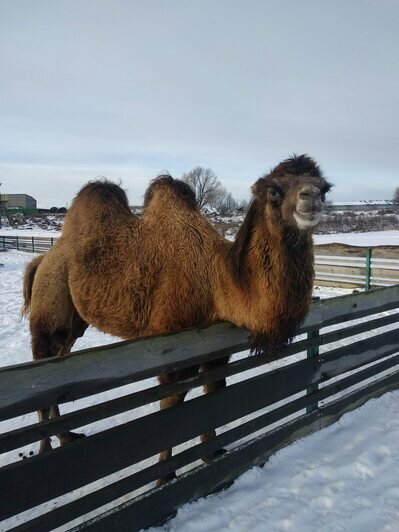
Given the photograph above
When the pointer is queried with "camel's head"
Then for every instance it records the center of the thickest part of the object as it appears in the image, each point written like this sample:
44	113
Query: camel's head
293	193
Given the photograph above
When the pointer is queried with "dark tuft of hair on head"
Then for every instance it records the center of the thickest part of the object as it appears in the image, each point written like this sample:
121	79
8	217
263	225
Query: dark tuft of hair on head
297	165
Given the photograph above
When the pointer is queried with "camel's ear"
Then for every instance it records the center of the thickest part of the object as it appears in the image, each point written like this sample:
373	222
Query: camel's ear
259	189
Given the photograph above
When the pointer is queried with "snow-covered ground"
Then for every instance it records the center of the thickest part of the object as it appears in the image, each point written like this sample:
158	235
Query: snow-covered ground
373	238
36	231
343	478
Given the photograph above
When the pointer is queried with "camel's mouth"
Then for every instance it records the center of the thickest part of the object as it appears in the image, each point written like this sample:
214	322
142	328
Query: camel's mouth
306	220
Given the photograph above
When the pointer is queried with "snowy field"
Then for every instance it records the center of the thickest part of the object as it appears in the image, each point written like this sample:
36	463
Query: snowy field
374	238
343	478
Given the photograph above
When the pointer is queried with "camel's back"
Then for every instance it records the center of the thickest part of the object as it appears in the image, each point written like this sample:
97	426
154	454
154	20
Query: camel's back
133	277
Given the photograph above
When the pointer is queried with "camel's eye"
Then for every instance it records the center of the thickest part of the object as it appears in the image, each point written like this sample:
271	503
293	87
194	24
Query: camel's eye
275	193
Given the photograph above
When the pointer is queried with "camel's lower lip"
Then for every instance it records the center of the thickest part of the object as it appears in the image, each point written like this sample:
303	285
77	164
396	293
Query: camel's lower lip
306	220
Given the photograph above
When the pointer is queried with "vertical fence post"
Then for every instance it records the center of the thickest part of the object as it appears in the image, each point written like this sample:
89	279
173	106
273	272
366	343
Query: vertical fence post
51	242
312	352
17	244
368	269
33	244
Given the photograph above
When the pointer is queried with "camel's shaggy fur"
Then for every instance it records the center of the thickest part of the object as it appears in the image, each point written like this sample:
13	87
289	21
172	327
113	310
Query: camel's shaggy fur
170	270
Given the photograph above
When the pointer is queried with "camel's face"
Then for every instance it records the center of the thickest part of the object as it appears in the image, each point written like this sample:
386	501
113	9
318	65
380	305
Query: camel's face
303	201
291	198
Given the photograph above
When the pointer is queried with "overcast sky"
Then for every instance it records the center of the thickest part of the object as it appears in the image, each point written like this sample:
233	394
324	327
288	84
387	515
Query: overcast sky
127	89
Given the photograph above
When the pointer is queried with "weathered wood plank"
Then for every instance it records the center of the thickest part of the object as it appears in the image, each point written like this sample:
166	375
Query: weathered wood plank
331	412
359	328
342	250
27	387
344	270
359	353
359	376
337	284
386	252
84	461
385	273
353	306
340	261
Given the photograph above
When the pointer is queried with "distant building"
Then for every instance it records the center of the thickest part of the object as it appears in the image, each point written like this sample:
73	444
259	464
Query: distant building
19	201
364	205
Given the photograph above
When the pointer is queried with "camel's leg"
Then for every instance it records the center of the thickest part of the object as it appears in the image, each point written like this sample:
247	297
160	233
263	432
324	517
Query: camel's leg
170	378
45	443
77	329
209	388
44	345
47	343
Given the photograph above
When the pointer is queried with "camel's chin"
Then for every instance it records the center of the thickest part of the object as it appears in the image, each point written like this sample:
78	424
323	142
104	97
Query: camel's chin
306	221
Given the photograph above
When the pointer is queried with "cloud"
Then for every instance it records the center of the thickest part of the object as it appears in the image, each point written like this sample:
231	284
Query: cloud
131	88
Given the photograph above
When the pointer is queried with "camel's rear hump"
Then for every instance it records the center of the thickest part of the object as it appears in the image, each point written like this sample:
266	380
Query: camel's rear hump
98	202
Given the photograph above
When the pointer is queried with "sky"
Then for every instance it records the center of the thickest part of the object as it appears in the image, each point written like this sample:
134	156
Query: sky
128	89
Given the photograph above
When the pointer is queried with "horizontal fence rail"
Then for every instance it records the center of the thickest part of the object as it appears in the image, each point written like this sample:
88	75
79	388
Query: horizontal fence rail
347	352
335	264
32	244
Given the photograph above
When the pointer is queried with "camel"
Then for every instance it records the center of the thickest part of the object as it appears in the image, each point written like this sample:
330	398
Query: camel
171	269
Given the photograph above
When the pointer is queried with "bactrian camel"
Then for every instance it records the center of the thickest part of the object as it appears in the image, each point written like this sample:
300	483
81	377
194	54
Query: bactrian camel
171	270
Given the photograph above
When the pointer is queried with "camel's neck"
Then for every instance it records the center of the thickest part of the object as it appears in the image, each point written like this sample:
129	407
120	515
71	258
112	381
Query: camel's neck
282	259
271	278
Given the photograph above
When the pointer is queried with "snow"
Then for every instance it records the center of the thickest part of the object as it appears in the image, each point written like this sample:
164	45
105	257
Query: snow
362	202
36	231
373	238
343	478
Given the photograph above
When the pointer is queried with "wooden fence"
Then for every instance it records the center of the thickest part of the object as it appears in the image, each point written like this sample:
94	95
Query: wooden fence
334	366
336	264
355	266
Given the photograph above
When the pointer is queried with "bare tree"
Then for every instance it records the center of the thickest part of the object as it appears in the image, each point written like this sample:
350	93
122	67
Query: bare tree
227	203
205	184
243	205
396	195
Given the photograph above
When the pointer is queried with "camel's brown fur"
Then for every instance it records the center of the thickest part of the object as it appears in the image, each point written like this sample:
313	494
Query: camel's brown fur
170	270
29	277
